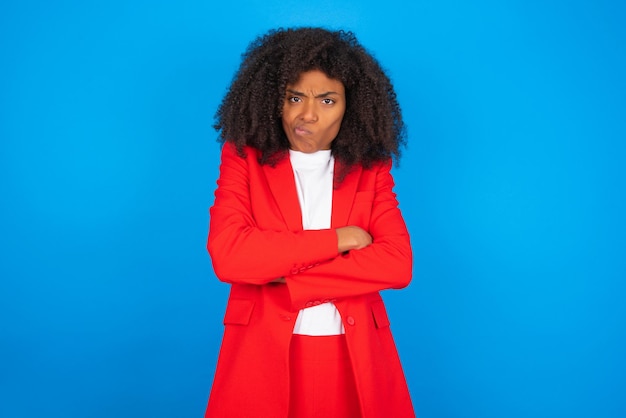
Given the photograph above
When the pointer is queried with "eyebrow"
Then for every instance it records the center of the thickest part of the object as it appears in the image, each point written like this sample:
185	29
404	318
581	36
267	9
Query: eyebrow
299	93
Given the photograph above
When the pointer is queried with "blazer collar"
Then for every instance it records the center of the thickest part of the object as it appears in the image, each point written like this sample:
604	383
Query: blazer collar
283	187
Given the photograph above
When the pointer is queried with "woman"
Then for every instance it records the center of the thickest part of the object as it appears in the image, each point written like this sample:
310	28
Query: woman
306	229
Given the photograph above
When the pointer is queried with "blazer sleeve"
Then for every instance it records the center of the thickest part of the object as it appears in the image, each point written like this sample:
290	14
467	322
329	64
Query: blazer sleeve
384	264
240	251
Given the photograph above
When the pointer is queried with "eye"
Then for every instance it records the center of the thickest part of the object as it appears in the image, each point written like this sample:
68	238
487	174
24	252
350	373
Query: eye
294	99
328	101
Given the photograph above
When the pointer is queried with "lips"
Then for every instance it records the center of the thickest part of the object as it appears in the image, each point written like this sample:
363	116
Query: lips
299	130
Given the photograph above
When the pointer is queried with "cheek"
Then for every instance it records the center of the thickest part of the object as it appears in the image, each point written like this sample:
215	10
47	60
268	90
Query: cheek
284	118
338	121
284	114
333	129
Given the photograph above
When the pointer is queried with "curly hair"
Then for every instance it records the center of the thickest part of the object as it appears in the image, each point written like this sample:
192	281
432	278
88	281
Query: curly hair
250	114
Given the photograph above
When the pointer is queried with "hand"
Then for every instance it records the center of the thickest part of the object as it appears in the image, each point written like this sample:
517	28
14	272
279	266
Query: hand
352	238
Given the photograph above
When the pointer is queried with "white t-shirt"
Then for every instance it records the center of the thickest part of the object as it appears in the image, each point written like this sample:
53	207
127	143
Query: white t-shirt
314	182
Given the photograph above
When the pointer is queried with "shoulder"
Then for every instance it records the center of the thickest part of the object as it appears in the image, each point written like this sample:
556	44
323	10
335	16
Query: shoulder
379	167
251	155
229	149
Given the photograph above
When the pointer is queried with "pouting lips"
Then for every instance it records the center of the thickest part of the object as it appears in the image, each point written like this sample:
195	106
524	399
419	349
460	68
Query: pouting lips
299	130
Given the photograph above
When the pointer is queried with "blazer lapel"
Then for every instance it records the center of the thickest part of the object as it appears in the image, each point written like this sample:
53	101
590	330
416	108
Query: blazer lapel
343	196
283	186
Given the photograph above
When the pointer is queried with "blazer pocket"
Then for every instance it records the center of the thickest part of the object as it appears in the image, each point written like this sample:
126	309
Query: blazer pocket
238	312
380	314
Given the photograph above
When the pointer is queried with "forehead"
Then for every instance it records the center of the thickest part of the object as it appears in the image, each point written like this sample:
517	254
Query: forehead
317	80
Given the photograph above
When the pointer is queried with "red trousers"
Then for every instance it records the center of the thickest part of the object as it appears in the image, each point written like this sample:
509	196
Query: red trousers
321	378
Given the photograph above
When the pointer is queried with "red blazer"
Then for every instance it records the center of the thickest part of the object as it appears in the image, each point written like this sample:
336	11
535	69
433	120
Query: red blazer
256	237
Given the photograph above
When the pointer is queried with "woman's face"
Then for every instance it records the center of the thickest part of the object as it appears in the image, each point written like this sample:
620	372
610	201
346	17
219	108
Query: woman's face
312	111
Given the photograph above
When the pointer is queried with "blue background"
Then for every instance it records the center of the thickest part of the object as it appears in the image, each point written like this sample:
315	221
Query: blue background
512	186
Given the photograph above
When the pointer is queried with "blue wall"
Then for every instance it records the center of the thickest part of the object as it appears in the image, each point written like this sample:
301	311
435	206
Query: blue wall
513	187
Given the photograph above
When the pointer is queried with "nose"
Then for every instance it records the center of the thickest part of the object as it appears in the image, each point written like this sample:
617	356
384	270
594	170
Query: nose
309	112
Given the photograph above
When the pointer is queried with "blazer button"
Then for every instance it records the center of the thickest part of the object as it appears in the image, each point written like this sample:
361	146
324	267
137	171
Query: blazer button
350	320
